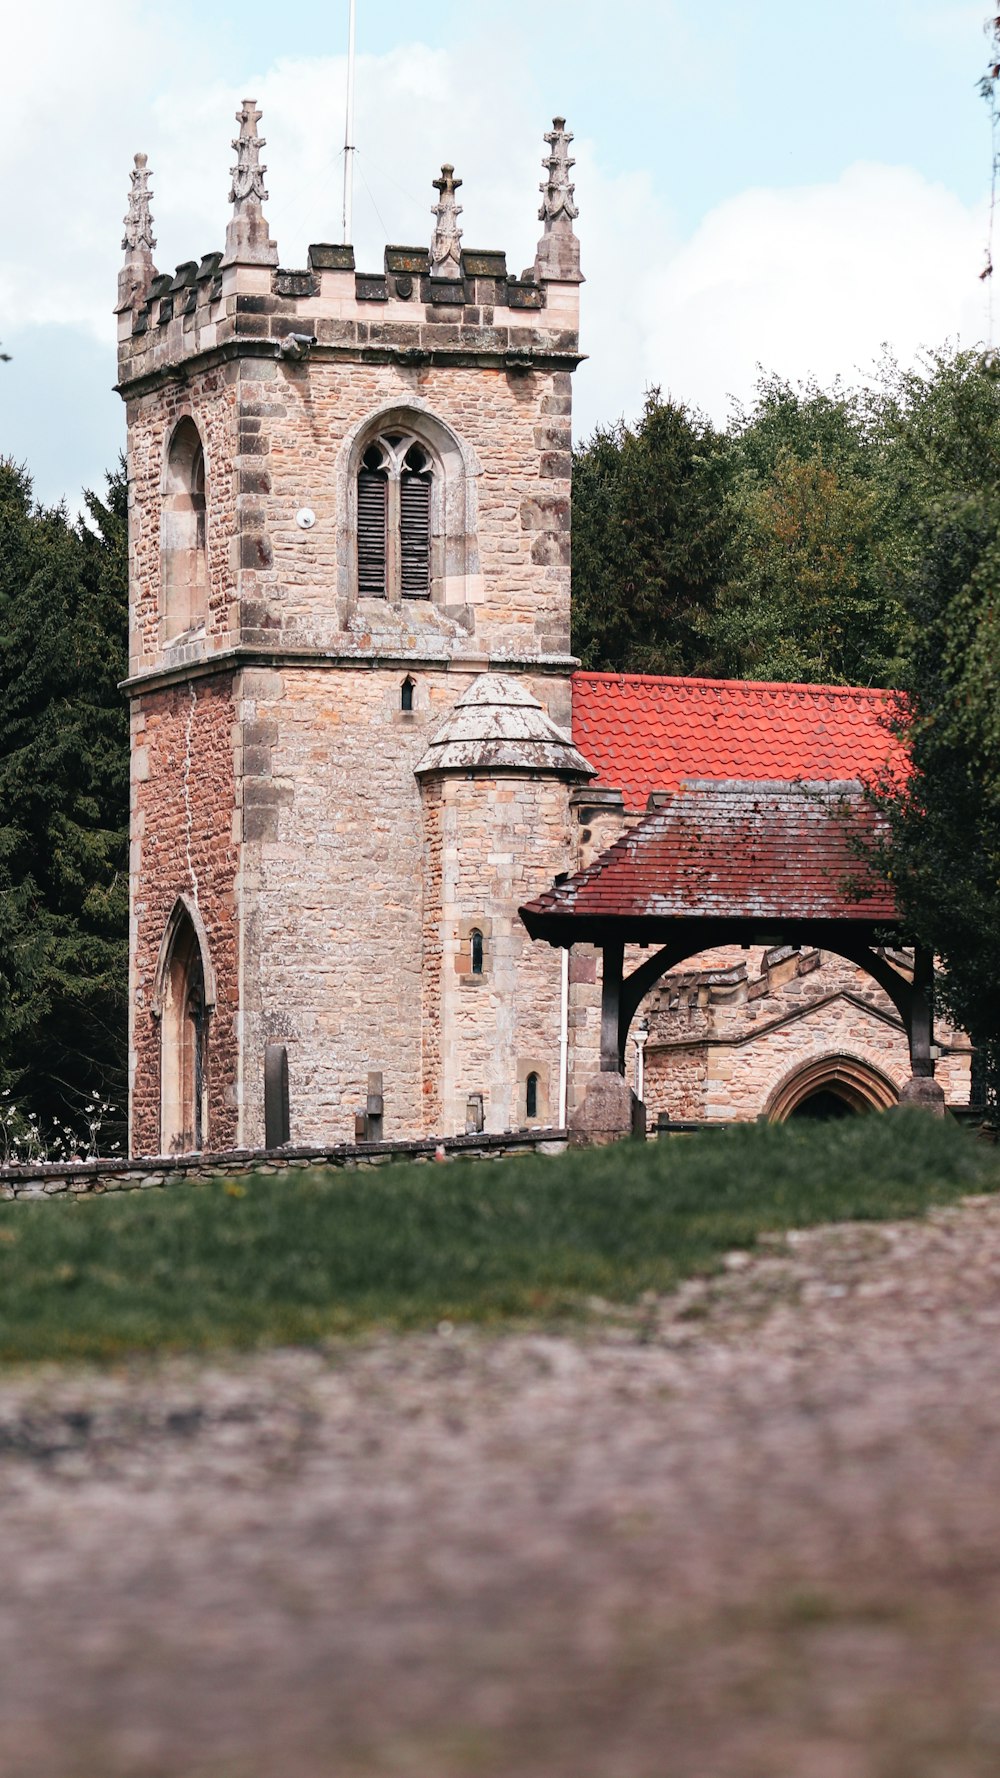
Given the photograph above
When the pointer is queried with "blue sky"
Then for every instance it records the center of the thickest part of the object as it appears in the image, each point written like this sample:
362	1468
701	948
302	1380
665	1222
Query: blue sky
779	183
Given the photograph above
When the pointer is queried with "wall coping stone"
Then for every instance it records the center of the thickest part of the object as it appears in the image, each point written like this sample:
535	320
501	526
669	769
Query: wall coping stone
43	1179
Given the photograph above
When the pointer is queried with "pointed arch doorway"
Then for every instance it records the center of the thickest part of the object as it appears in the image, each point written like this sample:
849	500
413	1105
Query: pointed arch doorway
185	998
829	1087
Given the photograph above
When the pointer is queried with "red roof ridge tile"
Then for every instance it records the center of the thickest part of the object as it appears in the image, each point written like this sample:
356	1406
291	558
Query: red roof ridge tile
688	682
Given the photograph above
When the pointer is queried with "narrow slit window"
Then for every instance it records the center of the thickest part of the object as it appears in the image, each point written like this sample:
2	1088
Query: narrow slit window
476	948
406	695
531	1096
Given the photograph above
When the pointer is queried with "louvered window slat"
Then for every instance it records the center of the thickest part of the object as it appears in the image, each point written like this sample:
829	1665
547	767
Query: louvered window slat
372	489
415	536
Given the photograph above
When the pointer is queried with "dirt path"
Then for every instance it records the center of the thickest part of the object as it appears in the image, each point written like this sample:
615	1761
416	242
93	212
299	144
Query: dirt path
753	1532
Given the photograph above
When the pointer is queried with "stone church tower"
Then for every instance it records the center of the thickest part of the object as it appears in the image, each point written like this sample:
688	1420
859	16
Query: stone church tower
349	676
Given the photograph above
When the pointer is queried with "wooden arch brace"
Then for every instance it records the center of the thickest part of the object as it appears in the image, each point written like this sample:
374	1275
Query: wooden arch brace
622	995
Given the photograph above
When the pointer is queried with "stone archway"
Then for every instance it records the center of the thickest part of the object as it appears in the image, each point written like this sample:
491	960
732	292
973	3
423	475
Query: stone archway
854	1084
183	1001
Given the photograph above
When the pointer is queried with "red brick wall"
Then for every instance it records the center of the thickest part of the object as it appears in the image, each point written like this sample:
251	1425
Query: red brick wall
183	800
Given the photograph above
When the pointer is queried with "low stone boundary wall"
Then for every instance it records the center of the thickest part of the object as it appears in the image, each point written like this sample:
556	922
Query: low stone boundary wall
49	1179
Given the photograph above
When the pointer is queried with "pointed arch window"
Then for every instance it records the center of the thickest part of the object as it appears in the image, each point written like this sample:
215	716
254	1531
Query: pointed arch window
394	519
184	1001
185	566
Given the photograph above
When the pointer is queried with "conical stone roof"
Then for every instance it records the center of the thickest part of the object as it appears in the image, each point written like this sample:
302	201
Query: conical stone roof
498	725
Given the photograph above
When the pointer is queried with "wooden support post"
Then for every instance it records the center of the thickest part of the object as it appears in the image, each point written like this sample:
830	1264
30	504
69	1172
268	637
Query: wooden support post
922	1014
611	995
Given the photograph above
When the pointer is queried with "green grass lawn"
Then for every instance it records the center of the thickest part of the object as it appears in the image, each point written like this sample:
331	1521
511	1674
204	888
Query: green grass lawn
310	1254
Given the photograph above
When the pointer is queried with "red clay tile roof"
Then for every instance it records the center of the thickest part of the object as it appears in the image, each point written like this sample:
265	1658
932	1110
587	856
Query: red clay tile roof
644	733
738	851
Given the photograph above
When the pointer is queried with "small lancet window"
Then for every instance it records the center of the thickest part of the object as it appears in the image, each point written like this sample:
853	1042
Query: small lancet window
476	951
406	692
531	1096
394	520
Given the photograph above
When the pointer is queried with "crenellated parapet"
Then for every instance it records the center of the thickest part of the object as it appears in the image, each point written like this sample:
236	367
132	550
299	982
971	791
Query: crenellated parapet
440	304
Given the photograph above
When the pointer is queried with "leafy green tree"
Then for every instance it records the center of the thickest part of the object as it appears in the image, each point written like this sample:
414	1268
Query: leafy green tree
63	800
649	542
814	589
944	848
944	821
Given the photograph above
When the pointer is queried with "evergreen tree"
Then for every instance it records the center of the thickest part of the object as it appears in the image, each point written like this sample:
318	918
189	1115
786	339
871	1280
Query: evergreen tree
63	800
649	543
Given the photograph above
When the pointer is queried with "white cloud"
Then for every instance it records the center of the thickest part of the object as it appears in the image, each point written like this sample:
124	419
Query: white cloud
813	281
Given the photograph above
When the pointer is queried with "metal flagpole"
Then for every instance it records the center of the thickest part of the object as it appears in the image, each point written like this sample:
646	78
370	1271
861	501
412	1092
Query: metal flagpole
349	148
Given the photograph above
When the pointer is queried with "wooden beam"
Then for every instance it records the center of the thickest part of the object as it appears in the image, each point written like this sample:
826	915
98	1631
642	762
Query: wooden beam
922	1015
612	1047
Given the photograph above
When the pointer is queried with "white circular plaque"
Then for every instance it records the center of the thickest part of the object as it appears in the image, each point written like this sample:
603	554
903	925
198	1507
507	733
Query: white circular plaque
306	518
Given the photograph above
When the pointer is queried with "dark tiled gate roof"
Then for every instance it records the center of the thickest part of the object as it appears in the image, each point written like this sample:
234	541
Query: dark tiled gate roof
762	851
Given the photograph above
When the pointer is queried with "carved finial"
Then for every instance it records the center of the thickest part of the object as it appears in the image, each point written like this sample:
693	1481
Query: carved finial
247	239
138	221
558	250
557	190
446	241
138	241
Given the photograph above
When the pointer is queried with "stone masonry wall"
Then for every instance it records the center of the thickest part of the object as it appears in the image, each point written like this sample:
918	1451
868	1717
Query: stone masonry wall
720	1046
515	431
327	812
503	840
183	802
40	1180
211	399
341	882
281	435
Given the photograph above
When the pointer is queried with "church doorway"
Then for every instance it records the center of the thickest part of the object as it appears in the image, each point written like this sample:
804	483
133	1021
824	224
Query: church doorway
824	1107
831	1087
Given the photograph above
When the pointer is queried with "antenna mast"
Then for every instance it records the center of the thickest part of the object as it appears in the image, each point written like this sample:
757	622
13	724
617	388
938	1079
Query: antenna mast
349	149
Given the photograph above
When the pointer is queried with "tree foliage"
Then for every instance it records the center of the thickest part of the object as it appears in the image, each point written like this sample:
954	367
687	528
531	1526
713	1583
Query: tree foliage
781	549
814	591
944	822
649	543
63	799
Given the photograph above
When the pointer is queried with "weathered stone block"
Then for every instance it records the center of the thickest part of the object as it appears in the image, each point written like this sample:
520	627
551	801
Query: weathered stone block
610	1113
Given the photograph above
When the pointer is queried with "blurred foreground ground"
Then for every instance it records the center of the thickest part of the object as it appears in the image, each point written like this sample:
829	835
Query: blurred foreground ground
752	1531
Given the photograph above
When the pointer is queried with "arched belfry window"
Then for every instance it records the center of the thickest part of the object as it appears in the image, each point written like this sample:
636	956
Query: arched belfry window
394	519
185	569
184	1000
